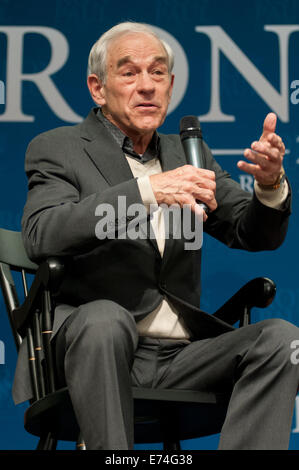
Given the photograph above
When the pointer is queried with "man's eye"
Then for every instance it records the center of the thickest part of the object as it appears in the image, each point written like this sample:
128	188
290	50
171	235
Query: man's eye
128	74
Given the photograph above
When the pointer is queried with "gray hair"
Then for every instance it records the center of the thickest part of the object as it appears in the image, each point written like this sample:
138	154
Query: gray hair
98	54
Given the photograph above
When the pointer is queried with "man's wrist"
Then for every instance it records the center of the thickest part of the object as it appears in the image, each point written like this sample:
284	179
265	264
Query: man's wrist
276	185
273	198
147	194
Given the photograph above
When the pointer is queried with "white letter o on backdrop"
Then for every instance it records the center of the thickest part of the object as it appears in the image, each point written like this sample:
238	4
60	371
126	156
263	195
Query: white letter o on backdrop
180	70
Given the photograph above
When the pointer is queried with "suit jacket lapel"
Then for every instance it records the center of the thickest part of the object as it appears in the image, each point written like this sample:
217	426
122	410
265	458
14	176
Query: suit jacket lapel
172	157
104	151
171	154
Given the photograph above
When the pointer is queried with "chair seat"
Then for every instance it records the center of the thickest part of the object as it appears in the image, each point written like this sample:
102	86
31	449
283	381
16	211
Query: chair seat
53	413
162	414
157	412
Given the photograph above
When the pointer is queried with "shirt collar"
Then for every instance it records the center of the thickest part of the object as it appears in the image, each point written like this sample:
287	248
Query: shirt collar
126	144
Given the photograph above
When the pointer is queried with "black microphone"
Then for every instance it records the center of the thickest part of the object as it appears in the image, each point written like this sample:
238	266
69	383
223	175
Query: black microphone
191	138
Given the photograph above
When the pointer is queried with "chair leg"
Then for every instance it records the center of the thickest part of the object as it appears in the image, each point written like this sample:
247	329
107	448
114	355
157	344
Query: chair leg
168	422
80	443
171	446
47	442
52	445
42	443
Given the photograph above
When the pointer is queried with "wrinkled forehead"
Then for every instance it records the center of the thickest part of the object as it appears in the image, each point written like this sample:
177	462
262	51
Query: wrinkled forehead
135	46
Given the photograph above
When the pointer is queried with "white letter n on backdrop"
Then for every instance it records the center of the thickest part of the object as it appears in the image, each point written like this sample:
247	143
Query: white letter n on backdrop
277	101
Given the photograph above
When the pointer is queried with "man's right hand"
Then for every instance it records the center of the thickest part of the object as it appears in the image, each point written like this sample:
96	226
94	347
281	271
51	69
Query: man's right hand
186	185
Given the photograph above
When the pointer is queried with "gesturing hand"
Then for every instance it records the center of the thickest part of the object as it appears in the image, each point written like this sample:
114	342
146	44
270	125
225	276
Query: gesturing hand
266	154
185	185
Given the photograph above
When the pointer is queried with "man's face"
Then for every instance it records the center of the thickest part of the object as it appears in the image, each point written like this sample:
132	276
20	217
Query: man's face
138	86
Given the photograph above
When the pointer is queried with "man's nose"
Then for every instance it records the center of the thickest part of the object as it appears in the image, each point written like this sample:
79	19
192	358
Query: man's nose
145	83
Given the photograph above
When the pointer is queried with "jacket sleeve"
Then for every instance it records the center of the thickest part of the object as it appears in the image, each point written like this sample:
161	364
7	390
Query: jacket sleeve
241	220
57	221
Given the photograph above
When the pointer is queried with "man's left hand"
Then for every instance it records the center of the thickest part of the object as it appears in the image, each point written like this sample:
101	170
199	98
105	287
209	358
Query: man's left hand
266	154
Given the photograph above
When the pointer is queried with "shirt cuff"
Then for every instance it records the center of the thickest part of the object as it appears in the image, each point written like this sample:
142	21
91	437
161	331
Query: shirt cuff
147	194
272	198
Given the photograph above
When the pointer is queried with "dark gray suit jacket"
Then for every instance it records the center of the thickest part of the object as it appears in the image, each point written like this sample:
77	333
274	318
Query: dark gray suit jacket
71	170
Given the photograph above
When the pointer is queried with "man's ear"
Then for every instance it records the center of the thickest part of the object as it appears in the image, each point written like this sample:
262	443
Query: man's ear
171	86
96	89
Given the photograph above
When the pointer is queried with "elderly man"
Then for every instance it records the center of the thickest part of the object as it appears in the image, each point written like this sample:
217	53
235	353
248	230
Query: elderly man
121	315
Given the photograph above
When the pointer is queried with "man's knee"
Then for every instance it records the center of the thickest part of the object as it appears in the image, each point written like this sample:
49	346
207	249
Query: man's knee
103	321
280	335
280	328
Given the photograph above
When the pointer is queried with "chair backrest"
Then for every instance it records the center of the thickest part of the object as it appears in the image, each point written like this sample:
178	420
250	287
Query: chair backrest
30	319
12	251
13	257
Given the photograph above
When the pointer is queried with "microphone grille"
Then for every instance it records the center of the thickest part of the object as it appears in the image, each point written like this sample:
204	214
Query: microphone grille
190	127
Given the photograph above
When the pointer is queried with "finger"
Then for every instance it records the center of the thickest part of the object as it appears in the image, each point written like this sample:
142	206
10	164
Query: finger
255	170
200	212
266	159
202	179
276	141
191	195
269	125
202	173
204	183
262	150
258	159
205	195
206	173
206	189
272	140
248	167
202	189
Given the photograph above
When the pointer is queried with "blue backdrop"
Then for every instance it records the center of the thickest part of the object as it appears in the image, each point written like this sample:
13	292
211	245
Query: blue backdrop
236	61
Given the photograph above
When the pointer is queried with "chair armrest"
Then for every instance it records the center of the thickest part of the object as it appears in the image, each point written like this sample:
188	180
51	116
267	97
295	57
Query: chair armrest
48	277
258	292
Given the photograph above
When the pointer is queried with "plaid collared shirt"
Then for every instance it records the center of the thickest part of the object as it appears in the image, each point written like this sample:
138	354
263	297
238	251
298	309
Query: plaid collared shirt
126	144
